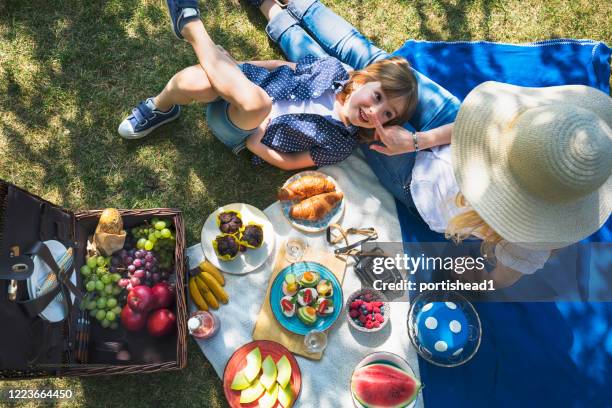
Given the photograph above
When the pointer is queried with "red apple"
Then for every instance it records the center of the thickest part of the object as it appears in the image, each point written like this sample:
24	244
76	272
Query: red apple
163	293
131	320
141	299
161	322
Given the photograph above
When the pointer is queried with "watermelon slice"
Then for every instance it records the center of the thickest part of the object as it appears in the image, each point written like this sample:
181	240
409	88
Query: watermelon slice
384	386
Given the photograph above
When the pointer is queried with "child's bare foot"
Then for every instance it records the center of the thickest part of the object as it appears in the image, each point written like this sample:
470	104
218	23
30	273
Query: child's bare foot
181	13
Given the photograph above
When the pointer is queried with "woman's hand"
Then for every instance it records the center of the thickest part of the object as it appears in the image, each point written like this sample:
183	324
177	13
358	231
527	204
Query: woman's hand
396	139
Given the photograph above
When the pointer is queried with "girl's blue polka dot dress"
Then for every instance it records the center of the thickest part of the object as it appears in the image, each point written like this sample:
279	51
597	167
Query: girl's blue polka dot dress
328	140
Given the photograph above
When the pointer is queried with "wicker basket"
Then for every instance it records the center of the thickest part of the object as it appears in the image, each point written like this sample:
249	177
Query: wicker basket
148	354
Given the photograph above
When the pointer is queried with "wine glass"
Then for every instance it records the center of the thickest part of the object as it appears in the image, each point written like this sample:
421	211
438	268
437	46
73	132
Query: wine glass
295	248
315	341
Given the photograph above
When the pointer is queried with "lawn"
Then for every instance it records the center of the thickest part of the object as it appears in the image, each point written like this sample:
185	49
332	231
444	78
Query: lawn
71	70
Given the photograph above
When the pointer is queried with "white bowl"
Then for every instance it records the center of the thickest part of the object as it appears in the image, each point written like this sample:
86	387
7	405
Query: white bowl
384	356
384	310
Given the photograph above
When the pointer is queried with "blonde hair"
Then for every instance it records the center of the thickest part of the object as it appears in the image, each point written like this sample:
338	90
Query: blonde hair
468	224
396	80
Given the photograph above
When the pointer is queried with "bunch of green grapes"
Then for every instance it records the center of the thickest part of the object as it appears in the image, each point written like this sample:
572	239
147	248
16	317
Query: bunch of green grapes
102	290
159	237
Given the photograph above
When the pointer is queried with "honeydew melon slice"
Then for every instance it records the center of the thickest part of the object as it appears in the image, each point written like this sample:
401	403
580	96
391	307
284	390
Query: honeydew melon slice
284	371
268	378
253	364
268	400
285	396
240	381
252	393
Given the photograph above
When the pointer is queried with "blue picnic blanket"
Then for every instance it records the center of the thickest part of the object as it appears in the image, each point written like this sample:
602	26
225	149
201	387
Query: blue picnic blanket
555	354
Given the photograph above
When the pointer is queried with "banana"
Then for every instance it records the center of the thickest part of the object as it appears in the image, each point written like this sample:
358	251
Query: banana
212	301
207	294
206	266
214	287
196	296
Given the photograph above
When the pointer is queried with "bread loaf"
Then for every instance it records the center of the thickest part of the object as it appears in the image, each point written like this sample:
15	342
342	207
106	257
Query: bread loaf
306	186
316	207
110	222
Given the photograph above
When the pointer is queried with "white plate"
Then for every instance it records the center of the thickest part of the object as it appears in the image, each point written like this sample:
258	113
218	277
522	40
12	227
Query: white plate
247	261
55	311
313	226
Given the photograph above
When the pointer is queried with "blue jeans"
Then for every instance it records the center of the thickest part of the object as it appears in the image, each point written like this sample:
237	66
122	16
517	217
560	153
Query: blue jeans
308	27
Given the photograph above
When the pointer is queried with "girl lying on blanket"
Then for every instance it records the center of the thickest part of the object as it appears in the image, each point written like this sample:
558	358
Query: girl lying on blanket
528	172
290	115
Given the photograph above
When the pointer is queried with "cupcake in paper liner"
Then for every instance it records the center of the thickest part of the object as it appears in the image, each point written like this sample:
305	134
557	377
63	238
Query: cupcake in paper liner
229	222
226	247
251	235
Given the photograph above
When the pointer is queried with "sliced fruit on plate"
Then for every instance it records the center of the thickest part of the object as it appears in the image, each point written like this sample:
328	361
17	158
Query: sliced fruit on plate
240	382
287	306
384	385
309	279
284	371
290	286
325	288
290	278
268	378
307	315
325	306
252	393
253	364
269	398
285	396
307	296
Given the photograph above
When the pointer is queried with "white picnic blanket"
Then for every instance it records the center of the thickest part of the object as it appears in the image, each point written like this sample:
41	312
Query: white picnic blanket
325	383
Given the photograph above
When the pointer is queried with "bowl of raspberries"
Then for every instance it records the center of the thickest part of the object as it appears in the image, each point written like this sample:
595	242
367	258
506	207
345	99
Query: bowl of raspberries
367	310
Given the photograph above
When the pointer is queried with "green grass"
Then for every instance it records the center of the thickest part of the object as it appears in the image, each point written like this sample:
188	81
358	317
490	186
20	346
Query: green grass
70	71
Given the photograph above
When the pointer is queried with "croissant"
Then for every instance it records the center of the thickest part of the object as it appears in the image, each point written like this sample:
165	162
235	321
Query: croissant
305	187
315	208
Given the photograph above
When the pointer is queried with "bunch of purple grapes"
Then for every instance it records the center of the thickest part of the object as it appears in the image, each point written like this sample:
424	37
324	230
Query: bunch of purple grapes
138	267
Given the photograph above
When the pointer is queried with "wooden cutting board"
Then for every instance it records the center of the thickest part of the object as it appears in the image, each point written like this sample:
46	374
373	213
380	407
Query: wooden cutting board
268	328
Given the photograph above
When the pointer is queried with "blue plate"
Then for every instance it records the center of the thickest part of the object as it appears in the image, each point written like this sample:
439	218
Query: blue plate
331	217
293	324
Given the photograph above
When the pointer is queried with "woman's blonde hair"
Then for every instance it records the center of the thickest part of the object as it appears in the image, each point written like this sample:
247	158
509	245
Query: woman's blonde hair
469	223
396	80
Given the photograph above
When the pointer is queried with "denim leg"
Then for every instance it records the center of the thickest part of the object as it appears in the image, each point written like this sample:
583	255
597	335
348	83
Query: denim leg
339	38
436	106
296	43
393	172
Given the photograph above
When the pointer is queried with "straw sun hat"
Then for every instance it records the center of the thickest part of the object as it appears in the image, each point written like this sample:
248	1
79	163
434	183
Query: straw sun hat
535	163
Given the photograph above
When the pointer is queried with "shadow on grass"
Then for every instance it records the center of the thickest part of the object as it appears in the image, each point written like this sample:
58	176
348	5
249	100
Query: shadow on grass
94	63
90	63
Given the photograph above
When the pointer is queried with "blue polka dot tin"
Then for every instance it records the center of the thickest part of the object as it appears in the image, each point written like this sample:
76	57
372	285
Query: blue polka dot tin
444	328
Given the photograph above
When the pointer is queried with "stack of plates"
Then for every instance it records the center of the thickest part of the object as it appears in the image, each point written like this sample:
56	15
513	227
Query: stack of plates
55	311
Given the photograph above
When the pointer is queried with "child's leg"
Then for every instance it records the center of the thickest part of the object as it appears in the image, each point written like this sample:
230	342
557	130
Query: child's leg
186	86
285	30
249	104
334	34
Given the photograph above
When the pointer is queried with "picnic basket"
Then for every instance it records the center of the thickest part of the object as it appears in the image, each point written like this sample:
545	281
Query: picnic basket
30	346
